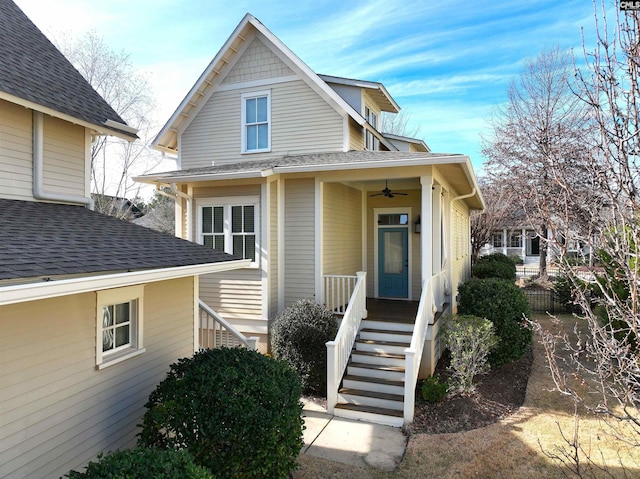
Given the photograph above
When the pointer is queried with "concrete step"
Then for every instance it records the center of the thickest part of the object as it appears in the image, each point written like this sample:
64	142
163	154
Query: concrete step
371	398
388	417
367	383
398	325
386	335
391	373
389	347
380	359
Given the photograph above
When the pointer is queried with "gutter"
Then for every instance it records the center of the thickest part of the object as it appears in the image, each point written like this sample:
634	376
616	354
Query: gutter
38	168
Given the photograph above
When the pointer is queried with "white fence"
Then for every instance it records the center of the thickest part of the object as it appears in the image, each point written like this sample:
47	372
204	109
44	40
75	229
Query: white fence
215	332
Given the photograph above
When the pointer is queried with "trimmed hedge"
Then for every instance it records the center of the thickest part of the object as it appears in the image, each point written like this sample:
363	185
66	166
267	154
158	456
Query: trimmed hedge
299	336
143	463
494	265
237	412
504	304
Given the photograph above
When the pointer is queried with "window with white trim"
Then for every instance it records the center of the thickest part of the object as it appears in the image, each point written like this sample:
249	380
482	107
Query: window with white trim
119	325
515	240
496	239
231	225
370	141
256	122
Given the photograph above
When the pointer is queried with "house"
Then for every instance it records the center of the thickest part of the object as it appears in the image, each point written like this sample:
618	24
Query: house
93	309
289	169
116	206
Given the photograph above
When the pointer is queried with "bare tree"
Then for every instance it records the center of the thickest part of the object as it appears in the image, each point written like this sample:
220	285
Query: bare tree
113	160
398	124
541	128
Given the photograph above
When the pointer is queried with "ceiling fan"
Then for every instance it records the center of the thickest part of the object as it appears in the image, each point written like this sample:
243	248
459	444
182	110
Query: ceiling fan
387	192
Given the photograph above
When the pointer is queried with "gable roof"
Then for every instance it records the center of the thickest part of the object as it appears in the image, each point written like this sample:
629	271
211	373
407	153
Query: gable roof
35	74
377	91
167	138
406	139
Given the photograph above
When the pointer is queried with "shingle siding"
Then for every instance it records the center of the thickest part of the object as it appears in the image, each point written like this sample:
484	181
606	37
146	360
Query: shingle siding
257	63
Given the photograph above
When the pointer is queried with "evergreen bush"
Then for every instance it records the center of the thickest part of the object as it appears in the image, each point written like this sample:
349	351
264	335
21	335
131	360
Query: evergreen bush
237	412
494	265
143	463
434	389
506	306
299	336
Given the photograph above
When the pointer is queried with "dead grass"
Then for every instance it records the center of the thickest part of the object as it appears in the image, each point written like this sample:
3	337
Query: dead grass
511	448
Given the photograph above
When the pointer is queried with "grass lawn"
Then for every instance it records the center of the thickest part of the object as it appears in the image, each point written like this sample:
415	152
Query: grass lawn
511	448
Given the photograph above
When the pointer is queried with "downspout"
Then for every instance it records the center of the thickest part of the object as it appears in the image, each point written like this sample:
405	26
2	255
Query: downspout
38	168
464	197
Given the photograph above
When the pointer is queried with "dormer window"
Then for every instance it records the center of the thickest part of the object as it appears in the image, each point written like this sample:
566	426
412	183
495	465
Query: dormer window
256	120
370	141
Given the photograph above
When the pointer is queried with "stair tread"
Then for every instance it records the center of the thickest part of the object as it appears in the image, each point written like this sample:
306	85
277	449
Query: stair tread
383	343
386	331
369	379
370	409
390	319
376	353
371	394
379	367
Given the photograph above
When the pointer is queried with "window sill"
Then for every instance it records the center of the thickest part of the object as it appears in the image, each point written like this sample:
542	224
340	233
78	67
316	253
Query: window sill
251	152
119	357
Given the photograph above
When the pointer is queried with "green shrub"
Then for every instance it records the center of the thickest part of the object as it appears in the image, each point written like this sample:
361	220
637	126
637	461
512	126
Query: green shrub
299	336
434	389
143	463
516	259
495	265
469	340
237	412
505	305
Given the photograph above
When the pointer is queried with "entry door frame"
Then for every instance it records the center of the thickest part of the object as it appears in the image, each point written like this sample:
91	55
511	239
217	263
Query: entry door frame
386	211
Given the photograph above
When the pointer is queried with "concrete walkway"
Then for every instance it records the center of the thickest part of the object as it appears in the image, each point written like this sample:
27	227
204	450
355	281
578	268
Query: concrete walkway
351	442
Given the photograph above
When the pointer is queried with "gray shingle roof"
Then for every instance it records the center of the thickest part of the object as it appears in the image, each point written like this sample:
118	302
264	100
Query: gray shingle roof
33	69
47	239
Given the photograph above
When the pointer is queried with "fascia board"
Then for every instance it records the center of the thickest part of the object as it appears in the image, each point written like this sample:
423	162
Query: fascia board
369	164
51	289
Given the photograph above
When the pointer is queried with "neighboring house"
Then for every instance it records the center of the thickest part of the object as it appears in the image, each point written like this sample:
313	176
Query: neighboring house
288	169
116	206
93	309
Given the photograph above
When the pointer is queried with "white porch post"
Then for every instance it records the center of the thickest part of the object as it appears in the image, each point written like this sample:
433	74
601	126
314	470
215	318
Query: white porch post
319	200
505	245
523	243
426	236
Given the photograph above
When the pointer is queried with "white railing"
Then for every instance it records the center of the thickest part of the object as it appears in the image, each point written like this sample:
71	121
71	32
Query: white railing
337	292
215	332
339	350
413	354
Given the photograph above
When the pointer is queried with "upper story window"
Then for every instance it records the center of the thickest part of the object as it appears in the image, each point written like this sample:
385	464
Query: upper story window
370	141
256	122
231	225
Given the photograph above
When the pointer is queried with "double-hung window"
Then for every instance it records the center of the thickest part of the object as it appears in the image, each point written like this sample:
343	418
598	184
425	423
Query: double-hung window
231	225
256	122
370	141
119	325
515	240
496	239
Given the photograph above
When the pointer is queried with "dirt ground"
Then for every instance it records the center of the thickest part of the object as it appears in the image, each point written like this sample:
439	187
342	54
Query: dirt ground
496	438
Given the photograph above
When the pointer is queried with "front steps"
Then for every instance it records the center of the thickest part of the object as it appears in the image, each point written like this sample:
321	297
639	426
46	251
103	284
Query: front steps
373	385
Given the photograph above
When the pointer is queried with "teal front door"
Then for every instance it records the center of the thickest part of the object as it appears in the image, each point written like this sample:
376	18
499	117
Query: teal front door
393	263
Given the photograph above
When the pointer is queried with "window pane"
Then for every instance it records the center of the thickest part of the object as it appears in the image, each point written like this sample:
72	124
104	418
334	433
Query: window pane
207	220
252	132
250	247
262	108
208	241
249	220
236	219
218	219
107	316
238	246
107	340
219	243
122	335
263	136
251	110
393	252
122	313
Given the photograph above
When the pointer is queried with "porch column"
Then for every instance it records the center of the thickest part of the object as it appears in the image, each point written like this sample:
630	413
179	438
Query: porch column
426	236
505	245
523	243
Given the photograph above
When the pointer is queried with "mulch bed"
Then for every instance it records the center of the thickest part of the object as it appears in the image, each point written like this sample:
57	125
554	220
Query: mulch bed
499	394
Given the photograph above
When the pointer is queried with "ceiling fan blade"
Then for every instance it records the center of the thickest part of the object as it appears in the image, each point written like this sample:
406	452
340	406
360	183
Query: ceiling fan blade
377	194
402	194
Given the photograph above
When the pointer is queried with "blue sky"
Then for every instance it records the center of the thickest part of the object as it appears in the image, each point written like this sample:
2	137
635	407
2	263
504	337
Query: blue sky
447	63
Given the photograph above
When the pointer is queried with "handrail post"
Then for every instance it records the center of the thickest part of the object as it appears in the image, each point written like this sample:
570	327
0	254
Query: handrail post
252	343
409	384
332	386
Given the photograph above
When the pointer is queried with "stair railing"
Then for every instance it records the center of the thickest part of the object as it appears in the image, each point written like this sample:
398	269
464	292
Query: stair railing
339	350
337	292
413	354
215	332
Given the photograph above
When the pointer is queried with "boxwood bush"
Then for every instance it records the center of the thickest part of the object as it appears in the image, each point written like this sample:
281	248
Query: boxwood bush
237	412
299	336
504	304
494	265
143	463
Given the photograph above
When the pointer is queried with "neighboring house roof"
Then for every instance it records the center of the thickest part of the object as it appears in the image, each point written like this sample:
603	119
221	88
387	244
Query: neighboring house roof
35	74
459	167
43	241
407	139
167	139
377	91
123	206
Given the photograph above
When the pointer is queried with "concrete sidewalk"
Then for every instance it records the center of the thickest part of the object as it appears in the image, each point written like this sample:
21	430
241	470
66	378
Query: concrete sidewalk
352	442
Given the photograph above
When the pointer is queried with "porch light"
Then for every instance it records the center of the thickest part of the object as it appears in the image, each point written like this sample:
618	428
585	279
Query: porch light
416	225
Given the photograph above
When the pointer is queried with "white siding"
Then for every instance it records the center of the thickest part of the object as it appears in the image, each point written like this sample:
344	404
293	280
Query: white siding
301	122
257	62
15	152
342	224
299	248
64	157
56	410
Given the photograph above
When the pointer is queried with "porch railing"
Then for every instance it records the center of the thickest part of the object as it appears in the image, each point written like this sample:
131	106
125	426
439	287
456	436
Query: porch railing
413	354
337	292
215	332
339	350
